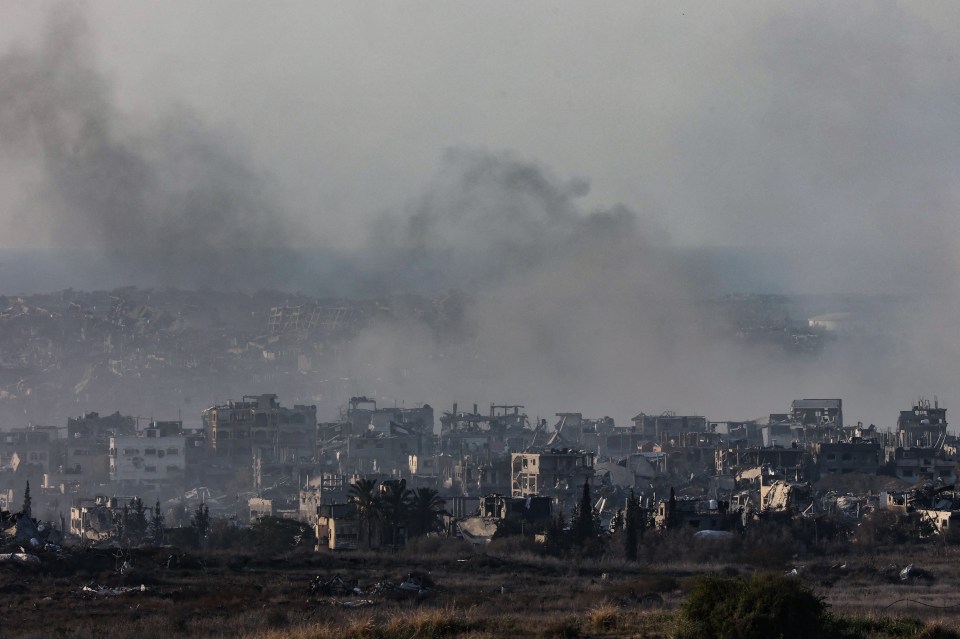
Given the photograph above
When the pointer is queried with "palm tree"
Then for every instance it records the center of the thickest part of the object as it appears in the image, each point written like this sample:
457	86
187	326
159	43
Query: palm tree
363	494
395	504
426	506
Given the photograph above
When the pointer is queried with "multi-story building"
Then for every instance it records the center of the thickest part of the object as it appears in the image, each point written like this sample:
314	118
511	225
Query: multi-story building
819	413
363	417
84	460
924	426
588	434
259	423
667	426
559	474
848	457
29	447
154	458
375	453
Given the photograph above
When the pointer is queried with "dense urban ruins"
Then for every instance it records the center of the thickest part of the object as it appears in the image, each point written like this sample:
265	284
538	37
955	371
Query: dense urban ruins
477	471
464	471
159	443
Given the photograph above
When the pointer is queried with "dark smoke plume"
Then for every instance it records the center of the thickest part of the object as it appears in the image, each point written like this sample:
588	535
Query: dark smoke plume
486	217
570	309
172	202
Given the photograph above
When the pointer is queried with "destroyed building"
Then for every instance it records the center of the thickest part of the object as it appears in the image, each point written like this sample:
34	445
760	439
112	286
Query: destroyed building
792	464
572	429
29	449
504	429
374	452
841	458
695	514
323	490
817	413
85	463
364	416
919	452
667	426
556	473
93	519
474	477
258	423
924	426
338	528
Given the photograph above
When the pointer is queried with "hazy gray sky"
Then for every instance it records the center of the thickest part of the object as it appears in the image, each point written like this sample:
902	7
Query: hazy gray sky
729	122
827	131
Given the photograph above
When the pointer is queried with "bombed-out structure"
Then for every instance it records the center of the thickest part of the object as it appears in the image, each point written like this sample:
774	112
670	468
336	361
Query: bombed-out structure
256	458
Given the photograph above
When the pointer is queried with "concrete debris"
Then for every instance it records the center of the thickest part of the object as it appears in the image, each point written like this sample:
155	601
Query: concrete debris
103	591
20	558
652	600
713	534
352	603
417	582
335	587
907	575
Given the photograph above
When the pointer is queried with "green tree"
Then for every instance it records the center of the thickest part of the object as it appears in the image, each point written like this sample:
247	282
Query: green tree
764	605
276	535
363	495
136	521
156	524
201	522
395	505
631	528
585	525
178	515
225	533
426	508
120	520
556	535
27	508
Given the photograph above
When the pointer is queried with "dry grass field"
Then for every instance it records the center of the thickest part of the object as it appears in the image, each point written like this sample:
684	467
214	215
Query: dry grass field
502	591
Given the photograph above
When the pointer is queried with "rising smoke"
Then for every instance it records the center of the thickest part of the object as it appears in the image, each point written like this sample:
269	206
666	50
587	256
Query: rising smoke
170	202
844	159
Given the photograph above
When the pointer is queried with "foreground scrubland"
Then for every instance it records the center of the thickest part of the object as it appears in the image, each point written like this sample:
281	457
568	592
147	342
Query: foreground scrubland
505	589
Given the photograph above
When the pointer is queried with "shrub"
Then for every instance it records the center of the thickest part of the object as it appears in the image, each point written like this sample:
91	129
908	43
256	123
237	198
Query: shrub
889	528
437	548
275	534
603	616
183	537
512	546
765	605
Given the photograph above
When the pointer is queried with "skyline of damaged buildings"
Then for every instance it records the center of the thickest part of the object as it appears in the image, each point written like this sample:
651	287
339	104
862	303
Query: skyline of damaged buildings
296	445
255	457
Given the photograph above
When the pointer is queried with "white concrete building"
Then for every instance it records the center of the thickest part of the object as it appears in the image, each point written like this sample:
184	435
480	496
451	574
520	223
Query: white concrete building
147	459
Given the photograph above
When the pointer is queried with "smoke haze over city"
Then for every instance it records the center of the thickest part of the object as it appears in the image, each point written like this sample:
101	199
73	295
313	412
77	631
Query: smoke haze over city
592	177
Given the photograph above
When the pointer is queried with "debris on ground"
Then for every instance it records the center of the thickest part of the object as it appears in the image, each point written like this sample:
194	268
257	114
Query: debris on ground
905	573
103	591
335	587
352	603
908	574
20	558
652	600
417	582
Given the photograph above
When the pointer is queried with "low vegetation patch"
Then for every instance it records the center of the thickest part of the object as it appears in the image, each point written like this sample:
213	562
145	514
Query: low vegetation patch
764	605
